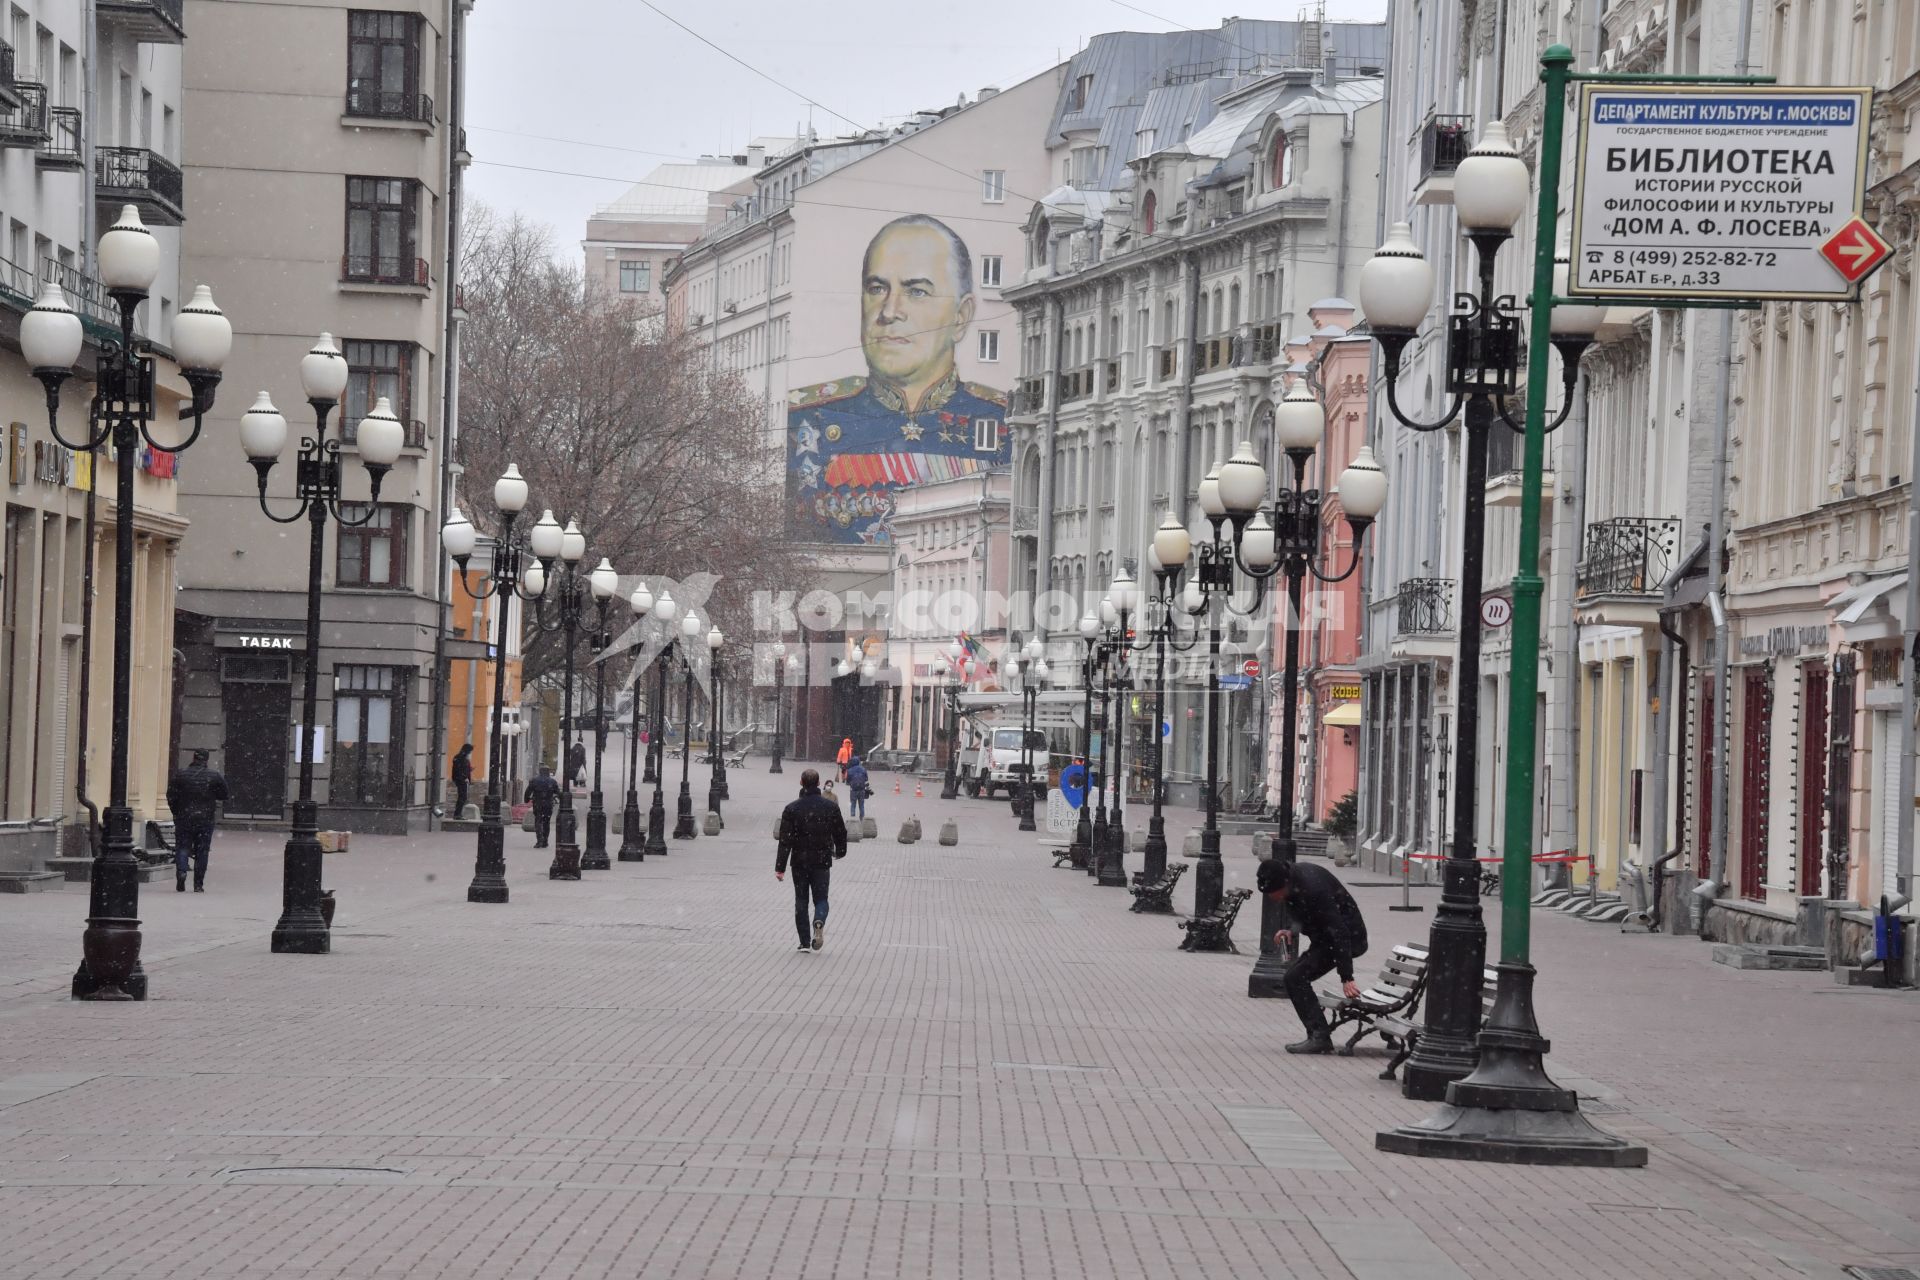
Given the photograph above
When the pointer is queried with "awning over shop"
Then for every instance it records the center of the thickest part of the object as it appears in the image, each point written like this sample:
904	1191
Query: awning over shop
1346	715
1869	611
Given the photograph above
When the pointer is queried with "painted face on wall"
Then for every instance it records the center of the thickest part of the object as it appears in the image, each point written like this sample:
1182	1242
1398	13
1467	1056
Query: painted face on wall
912	308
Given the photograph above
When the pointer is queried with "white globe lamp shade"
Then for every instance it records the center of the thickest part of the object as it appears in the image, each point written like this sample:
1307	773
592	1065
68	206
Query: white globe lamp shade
1363	487
1109	612
667	608
690	625
1125	591
868	670
129	256
641	601
457	535
379	436
939	668
954	650
1210	500
1299	422
715	639
1572	321
1242	481
604	581
263	431
534	580
1257	548
1035	650
546	536
1490	186
1396	283
510	491
323	371
1192	600
573	543
1041	670
50	333
1171	542
1153	558
1089	626
779	650
203	336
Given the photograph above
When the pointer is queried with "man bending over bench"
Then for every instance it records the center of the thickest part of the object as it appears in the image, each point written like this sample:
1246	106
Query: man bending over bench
1324	911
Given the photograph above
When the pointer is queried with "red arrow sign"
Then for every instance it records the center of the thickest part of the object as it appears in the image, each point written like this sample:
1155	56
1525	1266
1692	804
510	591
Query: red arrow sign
1855	250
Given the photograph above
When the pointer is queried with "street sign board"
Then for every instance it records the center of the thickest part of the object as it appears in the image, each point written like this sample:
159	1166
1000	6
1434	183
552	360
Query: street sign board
1251	667
1856	251
1716	191
1236	682
1496	611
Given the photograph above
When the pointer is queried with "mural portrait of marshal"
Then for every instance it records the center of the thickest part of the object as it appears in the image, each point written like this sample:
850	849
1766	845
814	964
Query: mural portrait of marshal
852	441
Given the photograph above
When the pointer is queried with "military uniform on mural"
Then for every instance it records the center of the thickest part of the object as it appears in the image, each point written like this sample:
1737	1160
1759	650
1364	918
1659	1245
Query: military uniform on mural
852	440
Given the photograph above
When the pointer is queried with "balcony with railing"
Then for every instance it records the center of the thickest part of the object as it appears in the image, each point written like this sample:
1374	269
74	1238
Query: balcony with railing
85	295
24	124
1029	396
147	21
1626	556
1166	363
369	102
9	95
356	268
1444	143
1425	607
142	178
1076	384
1113	377
61	150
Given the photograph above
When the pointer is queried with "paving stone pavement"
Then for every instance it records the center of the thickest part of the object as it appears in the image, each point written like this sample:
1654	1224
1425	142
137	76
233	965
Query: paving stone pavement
993	1070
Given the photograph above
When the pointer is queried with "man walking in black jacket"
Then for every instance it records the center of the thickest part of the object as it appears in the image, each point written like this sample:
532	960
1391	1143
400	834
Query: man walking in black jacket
542	792
812	835
195	795
462	775
1324	911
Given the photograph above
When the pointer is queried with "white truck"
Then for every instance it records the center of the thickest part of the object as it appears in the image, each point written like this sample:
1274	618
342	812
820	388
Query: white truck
990	733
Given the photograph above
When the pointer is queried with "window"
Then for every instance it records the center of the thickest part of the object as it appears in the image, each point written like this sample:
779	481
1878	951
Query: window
1148	209
368	712
383	66
989	344
993	185
381	220
373	554
986	435
636	277
1280	163
1082	87
990	270
376	369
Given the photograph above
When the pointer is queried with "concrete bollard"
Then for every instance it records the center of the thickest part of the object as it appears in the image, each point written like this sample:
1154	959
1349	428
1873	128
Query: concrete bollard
870	828
471	813
949	832
1190	846
910	831
853	833
1137	838
712	824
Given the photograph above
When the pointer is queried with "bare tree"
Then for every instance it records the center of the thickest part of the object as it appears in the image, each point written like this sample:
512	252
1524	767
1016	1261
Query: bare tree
616	422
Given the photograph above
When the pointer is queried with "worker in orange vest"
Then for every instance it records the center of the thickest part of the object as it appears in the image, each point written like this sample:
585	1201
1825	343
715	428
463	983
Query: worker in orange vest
845	756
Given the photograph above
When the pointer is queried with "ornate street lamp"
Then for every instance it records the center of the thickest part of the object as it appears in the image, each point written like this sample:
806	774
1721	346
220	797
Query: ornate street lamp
1171	539
947	670
665	610
717	777
1032	663
633	847
683	824
1123	597
779	703
501	583
1483	357
569	614
1080	851
604	582
51	336
263	433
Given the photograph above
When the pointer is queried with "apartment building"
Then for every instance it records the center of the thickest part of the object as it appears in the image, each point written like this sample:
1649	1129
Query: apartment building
1207	190
90	121
351	232
630	242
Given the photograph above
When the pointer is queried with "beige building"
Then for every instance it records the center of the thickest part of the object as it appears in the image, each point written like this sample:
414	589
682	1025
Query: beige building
86	138
349	232
631	242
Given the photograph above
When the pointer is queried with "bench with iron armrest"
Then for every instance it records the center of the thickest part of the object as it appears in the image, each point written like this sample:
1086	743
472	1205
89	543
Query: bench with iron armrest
1071	855
159	846
1156	896
1212	931
1390	1007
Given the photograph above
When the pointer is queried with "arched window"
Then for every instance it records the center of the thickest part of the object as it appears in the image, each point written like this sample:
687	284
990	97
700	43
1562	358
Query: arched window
1279	162
1148	208
1233	306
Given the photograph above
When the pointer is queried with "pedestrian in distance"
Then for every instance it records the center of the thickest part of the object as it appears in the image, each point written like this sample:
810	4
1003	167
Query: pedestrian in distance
812	835
577	763
857	788
195	795
1322	909
542	793
462	775
844	756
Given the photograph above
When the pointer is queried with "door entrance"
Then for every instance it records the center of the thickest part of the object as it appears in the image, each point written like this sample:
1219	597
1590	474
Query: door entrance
257	741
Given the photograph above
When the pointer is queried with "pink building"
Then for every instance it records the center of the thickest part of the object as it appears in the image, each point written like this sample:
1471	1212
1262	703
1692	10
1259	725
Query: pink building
1328	717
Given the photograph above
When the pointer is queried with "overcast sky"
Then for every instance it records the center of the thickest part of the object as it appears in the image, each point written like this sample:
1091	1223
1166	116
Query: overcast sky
609	88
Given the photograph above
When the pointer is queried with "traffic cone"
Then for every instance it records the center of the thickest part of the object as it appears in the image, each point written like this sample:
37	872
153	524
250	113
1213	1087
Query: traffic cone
918	794
896	786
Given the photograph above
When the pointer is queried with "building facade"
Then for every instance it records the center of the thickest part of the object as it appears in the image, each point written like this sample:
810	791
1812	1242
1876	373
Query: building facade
631	242
351	233
90	120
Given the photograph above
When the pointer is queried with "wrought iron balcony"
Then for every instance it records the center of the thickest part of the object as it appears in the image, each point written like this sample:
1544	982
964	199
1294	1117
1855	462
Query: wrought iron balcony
147	21
371	269
145	179
1076	384
1426	607
1627	556
371	103
85	294
61	150
25	124
9	95
1444	143
1029	396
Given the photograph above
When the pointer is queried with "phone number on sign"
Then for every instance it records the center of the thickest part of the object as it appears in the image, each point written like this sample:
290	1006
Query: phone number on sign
1686	258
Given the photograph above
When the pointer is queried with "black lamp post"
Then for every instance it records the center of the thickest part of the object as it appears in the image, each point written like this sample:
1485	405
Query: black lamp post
1080	848
1285	539
683	824
632	842
502	584
1163	637
1114	647
947	671
1483	359
664	611
263	433
779	703
1033	673
569	615
594	856
51	336
717	776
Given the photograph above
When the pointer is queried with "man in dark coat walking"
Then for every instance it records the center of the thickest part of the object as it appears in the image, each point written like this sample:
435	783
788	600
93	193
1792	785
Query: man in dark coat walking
542	793
577	763
1323	910
195	795
462	775
812	835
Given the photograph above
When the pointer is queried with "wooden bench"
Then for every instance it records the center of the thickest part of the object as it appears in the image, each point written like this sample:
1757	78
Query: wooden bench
1390	1006
1073	856
1212	932
1156	896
